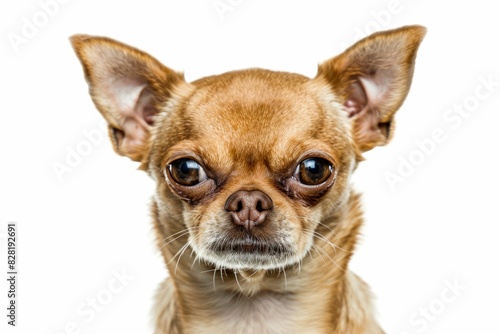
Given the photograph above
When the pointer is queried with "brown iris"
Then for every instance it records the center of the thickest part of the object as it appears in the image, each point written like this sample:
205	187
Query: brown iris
187	172
313	171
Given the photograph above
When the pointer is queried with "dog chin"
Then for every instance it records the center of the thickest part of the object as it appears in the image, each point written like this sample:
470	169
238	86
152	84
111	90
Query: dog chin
251	261
250	256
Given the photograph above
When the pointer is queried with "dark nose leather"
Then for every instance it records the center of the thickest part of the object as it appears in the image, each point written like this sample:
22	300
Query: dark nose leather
249	208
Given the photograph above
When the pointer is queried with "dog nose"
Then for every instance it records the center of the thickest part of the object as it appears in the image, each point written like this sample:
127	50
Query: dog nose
248	208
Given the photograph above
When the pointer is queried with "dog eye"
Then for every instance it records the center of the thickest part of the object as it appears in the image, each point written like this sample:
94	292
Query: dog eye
187	172
313	171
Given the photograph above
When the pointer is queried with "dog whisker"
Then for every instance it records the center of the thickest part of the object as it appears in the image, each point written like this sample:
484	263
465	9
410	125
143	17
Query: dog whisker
317	251
249	276
180	232
180	236
328	227
237	281
326	240
213	278
182	253
179	255
331	260
284	275
176	236
299	264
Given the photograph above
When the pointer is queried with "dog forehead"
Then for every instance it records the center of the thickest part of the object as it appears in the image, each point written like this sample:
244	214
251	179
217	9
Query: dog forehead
254	106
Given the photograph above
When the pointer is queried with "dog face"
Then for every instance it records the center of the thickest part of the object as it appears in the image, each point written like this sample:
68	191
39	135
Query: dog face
249	164
254	157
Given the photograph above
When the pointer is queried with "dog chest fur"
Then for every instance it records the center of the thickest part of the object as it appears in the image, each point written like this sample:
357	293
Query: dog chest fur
264	312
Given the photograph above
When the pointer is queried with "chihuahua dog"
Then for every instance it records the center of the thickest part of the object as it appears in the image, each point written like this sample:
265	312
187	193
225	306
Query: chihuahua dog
253	211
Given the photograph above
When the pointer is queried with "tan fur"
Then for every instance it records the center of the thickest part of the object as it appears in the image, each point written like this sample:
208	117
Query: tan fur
249	130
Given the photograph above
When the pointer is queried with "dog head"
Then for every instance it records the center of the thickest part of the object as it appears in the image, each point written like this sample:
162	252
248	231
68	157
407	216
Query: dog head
250	163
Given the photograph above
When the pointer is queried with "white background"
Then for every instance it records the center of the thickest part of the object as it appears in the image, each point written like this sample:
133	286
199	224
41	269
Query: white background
441	224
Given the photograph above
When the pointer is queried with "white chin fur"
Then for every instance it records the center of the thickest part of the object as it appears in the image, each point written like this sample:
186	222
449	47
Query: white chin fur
242	261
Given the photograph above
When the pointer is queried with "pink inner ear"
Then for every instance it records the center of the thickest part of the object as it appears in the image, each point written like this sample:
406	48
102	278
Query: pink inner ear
124	94
367	96
357	100
132	109
148	113
132	100
367	91
376	86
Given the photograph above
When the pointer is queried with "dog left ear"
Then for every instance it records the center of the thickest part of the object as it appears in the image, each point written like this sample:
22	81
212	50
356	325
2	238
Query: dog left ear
372	79
128	87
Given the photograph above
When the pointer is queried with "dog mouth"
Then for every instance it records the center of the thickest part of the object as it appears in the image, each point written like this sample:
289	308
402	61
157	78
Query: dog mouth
250	253
250	245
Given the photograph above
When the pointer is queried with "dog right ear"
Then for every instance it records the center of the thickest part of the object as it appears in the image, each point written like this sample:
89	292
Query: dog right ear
371	79
128	87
